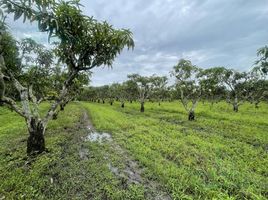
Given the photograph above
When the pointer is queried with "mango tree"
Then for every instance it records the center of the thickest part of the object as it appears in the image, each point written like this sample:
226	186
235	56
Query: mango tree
102	93
187	85
38	69
256	87
160	88
211	84
111	94
262	62
144	85
75	89
132	90
120	93
82	43
235	83
88	94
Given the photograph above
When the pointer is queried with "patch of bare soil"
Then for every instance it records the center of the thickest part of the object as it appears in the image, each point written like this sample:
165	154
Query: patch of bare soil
132	173
85	122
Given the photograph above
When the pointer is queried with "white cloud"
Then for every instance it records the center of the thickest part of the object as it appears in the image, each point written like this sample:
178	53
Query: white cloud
208	32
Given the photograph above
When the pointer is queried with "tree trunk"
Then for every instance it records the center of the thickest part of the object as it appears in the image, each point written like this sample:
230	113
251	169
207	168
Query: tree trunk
122	105
103	101
55	116
142	106
191	116
98	101
36	140
111	103
235	107
235	104
257	105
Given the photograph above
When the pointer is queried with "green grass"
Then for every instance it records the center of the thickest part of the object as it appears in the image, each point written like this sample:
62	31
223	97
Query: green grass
221	155
60	173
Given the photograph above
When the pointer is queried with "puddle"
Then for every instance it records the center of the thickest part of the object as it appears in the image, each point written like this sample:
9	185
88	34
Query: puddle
129	174
114	170
83	153
99	137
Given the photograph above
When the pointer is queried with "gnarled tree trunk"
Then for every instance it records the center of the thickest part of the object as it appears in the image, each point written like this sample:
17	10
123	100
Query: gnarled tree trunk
36	140
62	107
191	116
235	104
142	106
235	107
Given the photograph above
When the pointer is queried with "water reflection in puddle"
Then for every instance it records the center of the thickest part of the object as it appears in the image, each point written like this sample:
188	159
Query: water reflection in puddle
98	137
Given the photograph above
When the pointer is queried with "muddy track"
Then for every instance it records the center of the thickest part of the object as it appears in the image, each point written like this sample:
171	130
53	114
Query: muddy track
132	173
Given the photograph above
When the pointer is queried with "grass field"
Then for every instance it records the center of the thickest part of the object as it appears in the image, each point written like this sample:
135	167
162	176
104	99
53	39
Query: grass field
221	155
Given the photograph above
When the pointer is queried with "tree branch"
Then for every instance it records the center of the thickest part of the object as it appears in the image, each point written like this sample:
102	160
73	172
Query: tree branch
23	95
35	103
14	106
62	96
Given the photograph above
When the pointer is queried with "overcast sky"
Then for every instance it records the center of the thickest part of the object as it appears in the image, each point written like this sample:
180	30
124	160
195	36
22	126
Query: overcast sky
208	32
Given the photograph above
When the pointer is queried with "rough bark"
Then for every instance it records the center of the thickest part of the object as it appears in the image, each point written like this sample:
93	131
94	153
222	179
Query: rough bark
142	107
36	140
235	104
191	116
55	116
235	107
62	107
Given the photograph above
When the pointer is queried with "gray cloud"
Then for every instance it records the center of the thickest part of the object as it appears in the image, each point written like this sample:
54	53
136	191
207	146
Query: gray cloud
208	32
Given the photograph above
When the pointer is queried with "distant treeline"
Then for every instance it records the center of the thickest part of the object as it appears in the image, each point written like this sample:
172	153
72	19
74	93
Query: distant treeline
192	84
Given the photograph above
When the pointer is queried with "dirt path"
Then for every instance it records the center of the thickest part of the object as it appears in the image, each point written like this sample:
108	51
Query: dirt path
131	173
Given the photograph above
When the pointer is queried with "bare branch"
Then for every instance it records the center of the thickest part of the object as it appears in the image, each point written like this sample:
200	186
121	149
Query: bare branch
34	101
23	95
14	106
61	98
